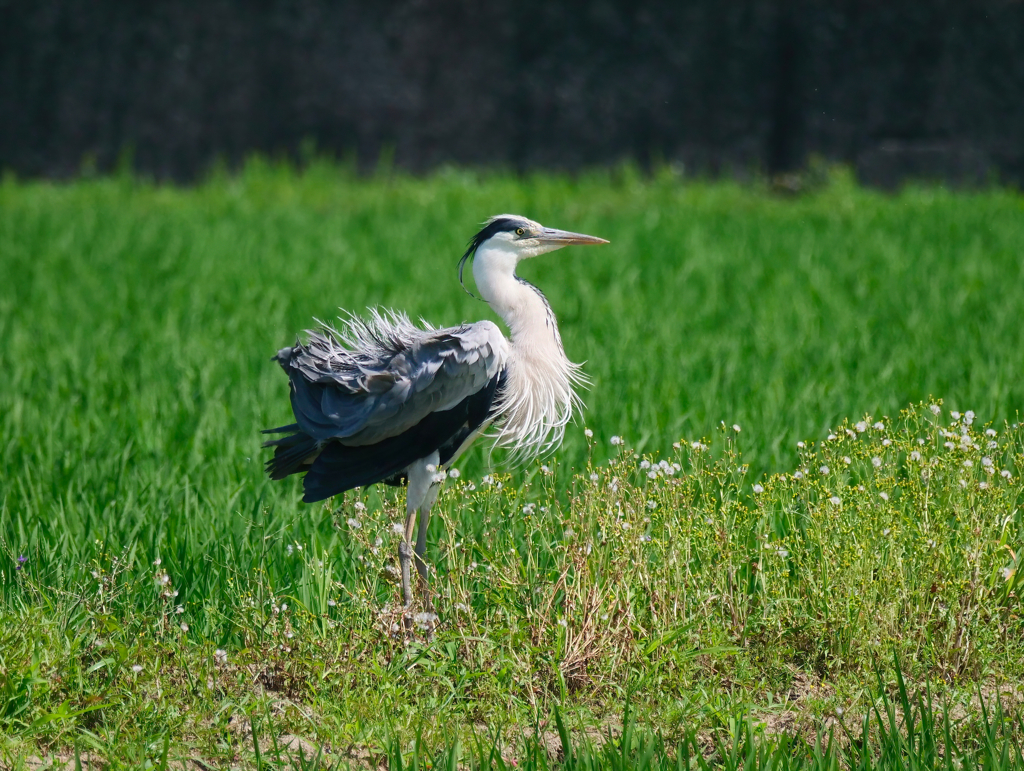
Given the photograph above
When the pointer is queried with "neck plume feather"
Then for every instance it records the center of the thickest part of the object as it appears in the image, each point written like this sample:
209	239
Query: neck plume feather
539	398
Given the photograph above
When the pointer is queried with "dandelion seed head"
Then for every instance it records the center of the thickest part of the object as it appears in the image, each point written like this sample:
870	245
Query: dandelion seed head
588	433
835	500
876	462
136	668
915	456
616	440
936	409
879	426
884	496
736	427
824	470
355	524
758	489
454	473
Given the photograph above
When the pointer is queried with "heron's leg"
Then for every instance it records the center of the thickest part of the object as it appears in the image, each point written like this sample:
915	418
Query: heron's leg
417	493
421	545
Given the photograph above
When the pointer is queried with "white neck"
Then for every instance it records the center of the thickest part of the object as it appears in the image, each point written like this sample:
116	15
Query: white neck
539	398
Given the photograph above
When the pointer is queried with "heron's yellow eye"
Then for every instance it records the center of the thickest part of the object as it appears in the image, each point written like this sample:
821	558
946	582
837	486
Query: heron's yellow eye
520	231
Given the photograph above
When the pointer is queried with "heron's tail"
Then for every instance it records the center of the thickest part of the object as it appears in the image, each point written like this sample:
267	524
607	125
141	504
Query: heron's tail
292	453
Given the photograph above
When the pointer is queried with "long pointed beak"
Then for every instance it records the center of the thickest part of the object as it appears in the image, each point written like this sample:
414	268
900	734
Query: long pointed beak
565	238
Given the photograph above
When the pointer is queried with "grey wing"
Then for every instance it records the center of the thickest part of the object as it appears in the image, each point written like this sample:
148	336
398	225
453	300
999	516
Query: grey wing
383	384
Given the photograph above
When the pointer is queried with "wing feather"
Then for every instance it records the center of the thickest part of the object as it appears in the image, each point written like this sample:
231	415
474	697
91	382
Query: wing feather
383	376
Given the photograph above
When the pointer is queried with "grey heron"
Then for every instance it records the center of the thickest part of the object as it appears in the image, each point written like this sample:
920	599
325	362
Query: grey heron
383	400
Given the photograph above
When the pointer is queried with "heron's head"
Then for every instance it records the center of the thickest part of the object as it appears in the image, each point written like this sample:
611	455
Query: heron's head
509	238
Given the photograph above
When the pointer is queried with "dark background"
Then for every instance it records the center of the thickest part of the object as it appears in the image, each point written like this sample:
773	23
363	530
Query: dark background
898	88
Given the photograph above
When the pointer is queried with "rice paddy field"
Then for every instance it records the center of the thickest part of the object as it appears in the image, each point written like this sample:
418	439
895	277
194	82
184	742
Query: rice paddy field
787	531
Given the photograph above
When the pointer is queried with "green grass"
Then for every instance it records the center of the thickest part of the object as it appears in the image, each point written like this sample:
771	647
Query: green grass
137	322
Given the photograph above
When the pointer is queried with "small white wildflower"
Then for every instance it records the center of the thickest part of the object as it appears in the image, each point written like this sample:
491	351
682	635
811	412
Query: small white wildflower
289	549
758	489
616	440
824	470
593	477
886	442
454	473
284	606
861	426
955	415
876	462
625	525
487	479
948	445
847	460
184	627
677	467
884	496
920	442
545	469
355	524
931	544
992	445
676	446
396	527
963	483
1007	573
652	474
835	500
645	464
569	532
220	656
438	478
986	461
886	532
800	445
1005	473
652	504
969	416
915	456
698	446
736	427
359	506
157	561
136	668
990	432
983	485
782	552
331	603
851	433
879	426
968	463
798	475
563	623
936	409
431	468
588	433
180	609
839	711
831	437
